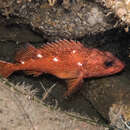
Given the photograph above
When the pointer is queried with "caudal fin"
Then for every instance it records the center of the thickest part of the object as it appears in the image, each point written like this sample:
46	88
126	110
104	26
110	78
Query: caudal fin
6	69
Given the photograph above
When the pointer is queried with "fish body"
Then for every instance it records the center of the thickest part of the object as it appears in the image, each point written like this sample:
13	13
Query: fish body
64	59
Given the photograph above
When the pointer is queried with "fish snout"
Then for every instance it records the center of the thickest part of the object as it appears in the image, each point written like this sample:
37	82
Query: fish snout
119	64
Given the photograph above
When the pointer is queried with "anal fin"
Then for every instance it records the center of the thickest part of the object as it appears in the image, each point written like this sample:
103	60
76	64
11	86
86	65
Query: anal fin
34	73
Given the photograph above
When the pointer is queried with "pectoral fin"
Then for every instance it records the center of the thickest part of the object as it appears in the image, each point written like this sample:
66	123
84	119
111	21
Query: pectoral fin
73	85
34	73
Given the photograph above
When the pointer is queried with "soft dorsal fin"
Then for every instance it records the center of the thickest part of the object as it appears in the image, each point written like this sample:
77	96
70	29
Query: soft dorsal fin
26	53
60	46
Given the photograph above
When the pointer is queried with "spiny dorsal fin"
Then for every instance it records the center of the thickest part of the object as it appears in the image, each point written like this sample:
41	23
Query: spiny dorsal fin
49	49
60	46
26	53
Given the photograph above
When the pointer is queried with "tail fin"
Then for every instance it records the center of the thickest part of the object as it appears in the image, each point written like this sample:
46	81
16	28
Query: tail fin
6	69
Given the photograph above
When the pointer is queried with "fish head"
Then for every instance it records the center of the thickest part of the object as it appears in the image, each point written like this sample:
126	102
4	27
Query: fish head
102	63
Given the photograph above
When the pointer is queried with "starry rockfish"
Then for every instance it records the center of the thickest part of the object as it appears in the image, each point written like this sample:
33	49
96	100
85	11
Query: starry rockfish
64	59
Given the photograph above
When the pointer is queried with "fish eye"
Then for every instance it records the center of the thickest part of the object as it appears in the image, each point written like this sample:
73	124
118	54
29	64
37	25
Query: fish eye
108	63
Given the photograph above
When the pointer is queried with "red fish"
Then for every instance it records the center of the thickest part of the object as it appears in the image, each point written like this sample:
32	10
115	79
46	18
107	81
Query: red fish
64	59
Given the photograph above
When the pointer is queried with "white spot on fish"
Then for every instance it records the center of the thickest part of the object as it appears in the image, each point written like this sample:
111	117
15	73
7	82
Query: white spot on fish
39	56
55	59
73	51
22	62
79	64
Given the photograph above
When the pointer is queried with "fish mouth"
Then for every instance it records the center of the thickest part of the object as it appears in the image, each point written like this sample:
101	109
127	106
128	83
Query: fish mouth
118	66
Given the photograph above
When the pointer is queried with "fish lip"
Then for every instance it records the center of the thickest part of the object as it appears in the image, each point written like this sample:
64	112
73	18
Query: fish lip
123	65
120	66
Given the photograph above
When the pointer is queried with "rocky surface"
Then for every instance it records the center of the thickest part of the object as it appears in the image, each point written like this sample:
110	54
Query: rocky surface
120	8
110	96
19	112
66	20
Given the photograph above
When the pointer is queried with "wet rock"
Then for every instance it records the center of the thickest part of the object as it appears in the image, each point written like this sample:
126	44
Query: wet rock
111	97
59	21
120	8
